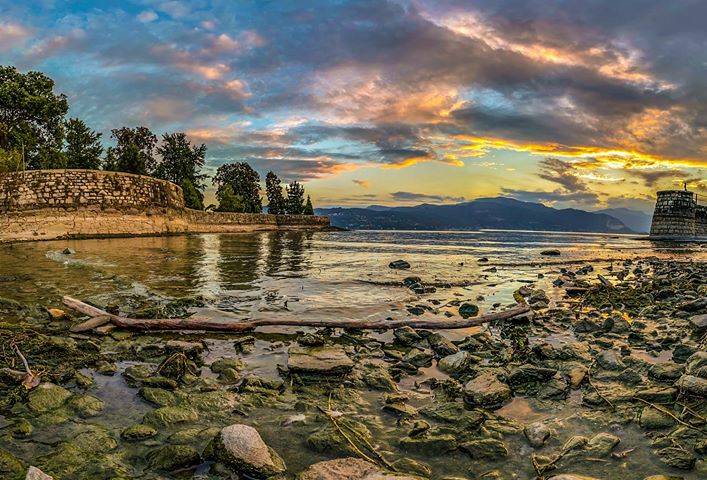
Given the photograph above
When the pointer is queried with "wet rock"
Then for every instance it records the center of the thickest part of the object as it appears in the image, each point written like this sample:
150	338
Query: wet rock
22	428
657	394
165	416
663	477
400	409
86	405
10	466
467	310
577	375
407	336
329	440
699	322
399	265
486	391
158	396
537	434
410	281
68	251
139	431
693	385
666	372
413	467
575	442
241	449
378	377
419	357
36	474
46	397
602	444
429	444
57	314
173	457
485	449
682	352
654	419
677	458
456	363
529	374
226	365
694	305
191	436
348	469
453	413
571	476
319	361
441	345
610	360
552	252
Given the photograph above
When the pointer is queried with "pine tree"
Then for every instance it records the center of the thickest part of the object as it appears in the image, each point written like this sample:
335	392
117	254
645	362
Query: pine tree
134	150
276	201
245	183
181	163
228	201
83	146
295	199
193	198
308	208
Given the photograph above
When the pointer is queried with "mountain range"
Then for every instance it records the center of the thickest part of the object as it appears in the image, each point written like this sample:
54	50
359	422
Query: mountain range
491	213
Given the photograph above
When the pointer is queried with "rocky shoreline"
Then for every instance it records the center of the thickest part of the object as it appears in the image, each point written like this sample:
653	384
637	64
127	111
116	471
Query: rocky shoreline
608	371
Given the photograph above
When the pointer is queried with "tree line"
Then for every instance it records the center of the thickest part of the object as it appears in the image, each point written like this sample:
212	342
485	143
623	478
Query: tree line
35	134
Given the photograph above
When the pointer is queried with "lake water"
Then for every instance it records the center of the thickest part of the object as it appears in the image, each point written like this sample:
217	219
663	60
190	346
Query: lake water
327	275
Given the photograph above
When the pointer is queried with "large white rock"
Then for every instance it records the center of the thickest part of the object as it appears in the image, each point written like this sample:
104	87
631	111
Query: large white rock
36	474
349	469
241	449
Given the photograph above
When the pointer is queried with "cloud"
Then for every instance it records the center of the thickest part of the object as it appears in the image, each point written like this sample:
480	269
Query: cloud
424	197
12	35
361	183
552	197
652	177
147	16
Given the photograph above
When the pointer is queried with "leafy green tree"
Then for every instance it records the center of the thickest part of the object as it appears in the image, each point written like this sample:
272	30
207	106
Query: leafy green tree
295	198
134	151
181	162
10	161
308	208
83	146
276	201
228	201
245	183
31	116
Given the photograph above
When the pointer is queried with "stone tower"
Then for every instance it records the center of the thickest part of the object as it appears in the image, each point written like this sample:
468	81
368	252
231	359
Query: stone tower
675	215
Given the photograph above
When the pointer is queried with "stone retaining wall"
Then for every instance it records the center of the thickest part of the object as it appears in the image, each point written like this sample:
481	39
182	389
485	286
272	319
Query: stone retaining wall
677	215
53	204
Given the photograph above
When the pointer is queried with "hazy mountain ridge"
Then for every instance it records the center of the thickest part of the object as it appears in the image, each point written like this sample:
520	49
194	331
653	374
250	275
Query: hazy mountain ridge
501	213
634	219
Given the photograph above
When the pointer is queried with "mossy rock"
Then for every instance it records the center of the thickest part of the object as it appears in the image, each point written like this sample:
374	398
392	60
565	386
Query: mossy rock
158	396
86	455
86	405
46	397
212	403
655	419
224	364
193	436
329	440
165	416
485	449
173	457
11	467
22	428
429	444
139	431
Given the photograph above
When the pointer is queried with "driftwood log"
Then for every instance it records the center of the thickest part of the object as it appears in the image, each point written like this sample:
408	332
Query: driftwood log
101	317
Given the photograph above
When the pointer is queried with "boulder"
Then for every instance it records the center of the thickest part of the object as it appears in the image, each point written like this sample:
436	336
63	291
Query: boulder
693	385
173	457
456	363
467	310
319	361
601	444
486	391
241	449
441	345
654	419
165	416
349	469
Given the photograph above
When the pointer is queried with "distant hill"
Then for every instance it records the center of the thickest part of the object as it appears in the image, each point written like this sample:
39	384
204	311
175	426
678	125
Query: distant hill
634	219
501	213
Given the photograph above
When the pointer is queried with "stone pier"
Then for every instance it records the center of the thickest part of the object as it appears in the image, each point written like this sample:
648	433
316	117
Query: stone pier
678	216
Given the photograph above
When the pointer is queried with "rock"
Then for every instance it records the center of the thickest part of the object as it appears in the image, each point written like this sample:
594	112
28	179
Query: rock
399	265
486	391
601	444
165	416
694	305
537	434
666	372
319	361
407	336
575	442
419	357
699	322
663	477
528	373
56	314
693	385
552	252
224	365
441	345
654	419
400	408
36	474
456	363
429	444
378	377
46	397
241	449
677	458
577	375
173	457
349	469
413	467
158	396
610	360
682	352
86	405
467	310
22	428
139	431
485	449
571	476
68	251
329	440
410	281
10	466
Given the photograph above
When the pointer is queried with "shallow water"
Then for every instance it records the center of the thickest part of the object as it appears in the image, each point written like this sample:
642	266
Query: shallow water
342	275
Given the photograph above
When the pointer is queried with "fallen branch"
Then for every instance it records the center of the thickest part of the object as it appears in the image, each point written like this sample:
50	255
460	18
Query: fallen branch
671	414
30	379
237	325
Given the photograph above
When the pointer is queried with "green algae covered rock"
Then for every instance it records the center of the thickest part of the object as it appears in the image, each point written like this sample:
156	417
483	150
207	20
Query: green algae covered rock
46	397
485	448
165	416
11	467
86	405
139	431
430	444
158	396
173	457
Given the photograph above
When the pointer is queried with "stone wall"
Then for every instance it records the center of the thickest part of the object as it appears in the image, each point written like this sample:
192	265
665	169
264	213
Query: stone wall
53	204
676	215
71	189
701	221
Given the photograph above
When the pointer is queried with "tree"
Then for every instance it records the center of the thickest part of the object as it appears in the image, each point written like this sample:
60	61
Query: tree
295	199
10	161
276	201
245	183
83	146
31	116
134	151
308	208
229	201
181	163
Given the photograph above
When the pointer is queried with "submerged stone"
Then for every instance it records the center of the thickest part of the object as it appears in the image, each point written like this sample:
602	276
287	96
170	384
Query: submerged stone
86	405
693	385
158	396
601	444
165	416
47	396
467	310
677	458
10	466
241	449
456	363
399	265
441	345
349	469
173	457
419	357
485	449
139	431
537	434
407	336
429	444
654	419
326	361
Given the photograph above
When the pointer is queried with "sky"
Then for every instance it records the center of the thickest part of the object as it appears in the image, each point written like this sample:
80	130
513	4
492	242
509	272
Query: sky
587	104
